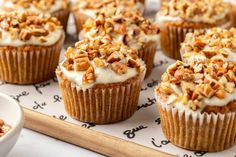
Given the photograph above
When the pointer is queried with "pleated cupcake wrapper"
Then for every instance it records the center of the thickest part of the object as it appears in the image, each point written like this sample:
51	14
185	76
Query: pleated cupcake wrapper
29	64
100	105
233	9
171	38
147	54
80	20
62	16
196	131
142	1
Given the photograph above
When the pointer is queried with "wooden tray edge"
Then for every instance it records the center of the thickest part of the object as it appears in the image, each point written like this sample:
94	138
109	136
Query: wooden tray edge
86	138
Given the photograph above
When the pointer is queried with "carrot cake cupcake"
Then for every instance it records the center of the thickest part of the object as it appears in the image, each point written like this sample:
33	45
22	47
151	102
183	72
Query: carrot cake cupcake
197	105
128	28
30	46
178	17
215	43
57	8
100	81
85	9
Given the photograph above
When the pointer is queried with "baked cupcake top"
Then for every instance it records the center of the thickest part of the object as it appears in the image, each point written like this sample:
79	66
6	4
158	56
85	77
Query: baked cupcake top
92	8
128	28
202	86
216	43
204	11
39	6
100	62
28	28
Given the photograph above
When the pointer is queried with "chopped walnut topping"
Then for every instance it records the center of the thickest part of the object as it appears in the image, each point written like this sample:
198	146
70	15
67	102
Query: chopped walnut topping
25	25
109	6
89	55
43	5
119	68
134	28
89	76
207	11
216	44
197	81
4	128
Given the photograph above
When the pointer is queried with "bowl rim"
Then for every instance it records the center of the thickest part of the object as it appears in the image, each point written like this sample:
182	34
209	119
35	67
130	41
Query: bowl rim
19	122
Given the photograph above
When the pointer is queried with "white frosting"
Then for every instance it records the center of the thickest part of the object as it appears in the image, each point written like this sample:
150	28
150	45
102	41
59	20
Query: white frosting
92	13
103	76
145	38
160	19
89	12
195	115
164	18
214	101
51	38
57	6
191	56
231	1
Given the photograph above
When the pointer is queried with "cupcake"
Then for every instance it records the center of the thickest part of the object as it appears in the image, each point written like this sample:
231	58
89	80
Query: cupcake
85	9
100	81
57	8
30	46
128	28
215	44
233	10
197	105
177	18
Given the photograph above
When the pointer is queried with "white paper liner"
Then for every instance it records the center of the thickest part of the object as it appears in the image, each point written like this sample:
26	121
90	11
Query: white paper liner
198	131
29	64
101	104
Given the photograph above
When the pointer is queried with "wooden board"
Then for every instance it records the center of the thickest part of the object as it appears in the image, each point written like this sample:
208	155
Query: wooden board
89	139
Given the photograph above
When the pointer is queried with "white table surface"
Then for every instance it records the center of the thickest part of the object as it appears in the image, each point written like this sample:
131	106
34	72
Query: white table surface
32	144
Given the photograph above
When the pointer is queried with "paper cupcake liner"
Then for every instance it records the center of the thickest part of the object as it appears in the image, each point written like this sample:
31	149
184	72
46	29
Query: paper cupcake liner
142	1
80	20
62	16
197	131
233	9
171	37
29	64
147	53
106	103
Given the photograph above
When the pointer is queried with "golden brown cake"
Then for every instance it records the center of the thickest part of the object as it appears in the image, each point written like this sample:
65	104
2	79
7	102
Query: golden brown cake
197	105
57	8
30	46
215	44
177	18
100	81
84	9
127	28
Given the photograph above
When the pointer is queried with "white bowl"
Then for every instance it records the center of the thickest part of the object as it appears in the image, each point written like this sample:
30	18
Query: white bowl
12	114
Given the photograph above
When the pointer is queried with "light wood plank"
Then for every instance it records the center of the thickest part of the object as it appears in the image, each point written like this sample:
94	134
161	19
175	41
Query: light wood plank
86	138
